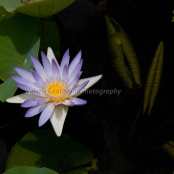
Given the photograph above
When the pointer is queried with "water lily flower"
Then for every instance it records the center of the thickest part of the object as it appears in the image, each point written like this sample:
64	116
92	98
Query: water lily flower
51	88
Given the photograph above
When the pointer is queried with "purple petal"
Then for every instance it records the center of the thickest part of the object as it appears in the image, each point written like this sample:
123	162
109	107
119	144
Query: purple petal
41	101
75	71
58	104
75	61
38	67
35	91
26	88
65	74
78	101
38	79
75	80
30	102
68	103
46	114
23	81
35	110
47	65
25	74
92	81
55	69
79	88
65	60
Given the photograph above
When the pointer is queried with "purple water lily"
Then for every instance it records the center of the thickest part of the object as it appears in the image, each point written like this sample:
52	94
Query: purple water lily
51	89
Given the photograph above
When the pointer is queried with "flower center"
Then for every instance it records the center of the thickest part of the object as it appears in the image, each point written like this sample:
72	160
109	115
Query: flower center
56	91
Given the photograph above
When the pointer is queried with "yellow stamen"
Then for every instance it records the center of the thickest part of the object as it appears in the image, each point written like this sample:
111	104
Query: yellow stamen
56	91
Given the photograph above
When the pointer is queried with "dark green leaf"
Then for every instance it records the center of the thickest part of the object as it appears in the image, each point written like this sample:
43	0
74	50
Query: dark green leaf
4	14
29	170
18	41
49	34
37	8
44	148
10	5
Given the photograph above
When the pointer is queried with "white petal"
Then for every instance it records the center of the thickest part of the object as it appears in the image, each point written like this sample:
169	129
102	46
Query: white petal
21	98
58	117
68	103
50	56
92	81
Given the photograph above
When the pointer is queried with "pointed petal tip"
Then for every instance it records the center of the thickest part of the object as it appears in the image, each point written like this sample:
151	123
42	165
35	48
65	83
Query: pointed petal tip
78	101
20	98
16	67
59	134
13	77
21	105
58	118
31	70
26	115
96	79
50	52
100	76
59	130
80	53
39	124
49	48
8	100
42	53
67	51
32	57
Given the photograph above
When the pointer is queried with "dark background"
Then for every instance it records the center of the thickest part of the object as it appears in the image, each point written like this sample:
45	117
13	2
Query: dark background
105	122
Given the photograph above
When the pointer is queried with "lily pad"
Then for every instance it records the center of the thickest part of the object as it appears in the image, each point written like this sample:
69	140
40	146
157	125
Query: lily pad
18	41
45	8
29	170
4	14
37	8
44	149
10	5
47	38
17	36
